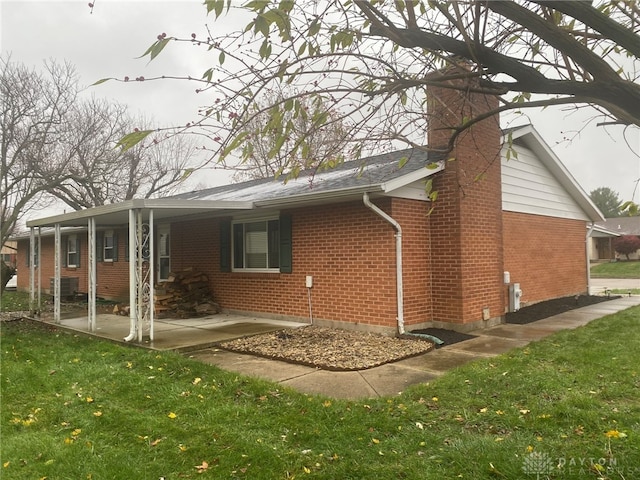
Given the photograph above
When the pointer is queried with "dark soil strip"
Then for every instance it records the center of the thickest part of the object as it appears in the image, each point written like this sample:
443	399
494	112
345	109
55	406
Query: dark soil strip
539	311
449	337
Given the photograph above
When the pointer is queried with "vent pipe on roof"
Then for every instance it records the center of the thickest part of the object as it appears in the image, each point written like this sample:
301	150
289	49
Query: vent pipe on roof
399	286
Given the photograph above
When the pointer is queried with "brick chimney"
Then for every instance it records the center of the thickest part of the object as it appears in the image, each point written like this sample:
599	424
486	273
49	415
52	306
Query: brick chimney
466	223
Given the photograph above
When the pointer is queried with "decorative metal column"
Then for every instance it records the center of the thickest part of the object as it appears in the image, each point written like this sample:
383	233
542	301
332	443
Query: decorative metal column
140	277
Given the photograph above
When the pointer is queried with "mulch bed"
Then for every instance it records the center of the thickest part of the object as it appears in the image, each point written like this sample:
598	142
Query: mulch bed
329	348
549	308
525	315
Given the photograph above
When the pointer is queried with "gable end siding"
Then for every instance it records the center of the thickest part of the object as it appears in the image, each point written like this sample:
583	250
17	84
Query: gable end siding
529	187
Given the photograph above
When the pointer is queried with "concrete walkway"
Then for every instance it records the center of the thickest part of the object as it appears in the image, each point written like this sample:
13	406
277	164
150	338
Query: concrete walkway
600	285
197	338
393	378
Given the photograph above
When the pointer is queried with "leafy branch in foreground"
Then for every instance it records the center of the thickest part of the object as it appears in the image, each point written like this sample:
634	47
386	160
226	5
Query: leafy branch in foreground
368	65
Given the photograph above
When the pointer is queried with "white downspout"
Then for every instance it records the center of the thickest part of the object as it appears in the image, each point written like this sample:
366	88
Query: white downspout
398	235
133	255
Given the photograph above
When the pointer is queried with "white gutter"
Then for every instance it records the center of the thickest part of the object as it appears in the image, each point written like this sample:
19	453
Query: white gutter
398	235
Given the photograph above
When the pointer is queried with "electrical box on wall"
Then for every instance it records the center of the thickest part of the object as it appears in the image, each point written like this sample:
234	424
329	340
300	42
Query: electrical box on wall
309	281
514	297
507	278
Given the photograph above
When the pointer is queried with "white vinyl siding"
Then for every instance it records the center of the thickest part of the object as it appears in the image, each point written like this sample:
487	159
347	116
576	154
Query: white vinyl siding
528	186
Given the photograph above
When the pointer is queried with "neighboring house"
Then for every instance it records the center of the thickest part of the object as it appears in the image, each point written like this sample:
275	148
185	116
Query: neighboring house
361	245
602	248
600	243
9	253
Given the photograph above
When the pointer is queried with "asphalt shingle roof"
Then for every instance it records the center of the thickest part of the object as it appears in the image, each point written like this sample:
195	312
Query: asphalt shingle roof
622	225
369	171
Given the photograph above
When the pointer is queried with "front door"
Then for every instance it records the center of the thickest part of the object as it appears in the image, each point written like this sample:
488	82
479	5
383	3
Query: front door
164	251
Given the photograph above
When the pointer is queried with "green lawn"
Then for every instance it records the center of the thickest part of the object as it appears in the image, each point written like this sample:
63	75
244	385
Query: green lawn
630	269
14	301
81	408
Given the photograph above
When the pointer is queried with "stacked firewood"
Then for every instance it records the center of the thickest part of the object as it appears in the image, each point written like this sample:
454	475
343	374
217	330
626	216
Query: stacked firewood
185	294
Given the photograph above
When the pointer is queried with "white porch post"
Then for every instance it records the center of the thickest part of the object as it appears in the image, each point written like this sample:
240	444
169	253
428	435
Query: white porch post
91	314
151	275
139	304
39	270
56	273
32	271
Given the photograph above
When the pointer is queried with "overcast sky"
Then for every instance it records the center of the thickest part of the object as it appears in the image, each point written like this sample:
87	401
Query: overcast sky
107	42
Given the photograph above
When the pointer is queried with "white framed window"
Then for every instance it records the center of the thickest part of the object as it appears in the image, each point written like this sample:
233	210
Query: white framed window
108	248
37	255
73	252
164	252
256	245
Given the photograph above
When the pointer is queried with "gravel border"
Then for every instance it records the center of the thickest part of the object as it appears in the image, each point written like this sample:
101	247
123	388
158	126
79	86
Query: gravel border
11	316
329	348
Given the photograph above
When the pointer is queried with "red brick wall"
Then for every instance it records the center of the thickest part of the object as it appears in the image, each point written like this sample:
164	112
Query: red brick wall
416	244
112	277
347	248
466	224
546	255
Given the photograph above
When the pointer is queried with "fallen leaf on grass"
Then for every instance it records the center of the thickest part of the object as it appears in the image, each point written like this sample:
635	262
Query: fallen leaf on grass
202	467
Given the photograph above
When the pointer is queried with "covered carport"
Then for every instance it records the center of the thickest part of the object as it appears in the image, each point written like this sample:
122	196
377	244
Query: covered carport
139	216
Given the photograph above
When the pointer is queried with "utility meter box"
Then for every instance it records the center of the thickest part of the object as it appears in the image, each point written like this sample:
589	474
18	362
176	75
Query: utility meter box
514	297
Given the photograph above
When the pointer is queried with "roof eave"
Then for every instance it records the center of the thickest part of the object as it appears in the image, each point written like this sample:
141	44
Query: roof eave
149	204
414	176
317	198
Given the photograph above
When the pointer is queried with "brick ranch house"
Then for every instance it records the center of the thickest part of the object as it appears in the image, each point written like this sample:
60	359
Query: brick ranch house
379	254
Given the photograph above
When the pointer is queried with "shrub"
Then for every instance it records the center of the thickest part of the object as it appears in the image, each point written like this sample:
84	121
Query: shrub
626	244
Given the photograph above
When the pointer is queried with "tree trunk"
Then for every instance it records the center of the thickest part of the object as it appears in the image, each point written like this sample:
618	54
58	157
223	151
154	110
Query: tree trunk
6	272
